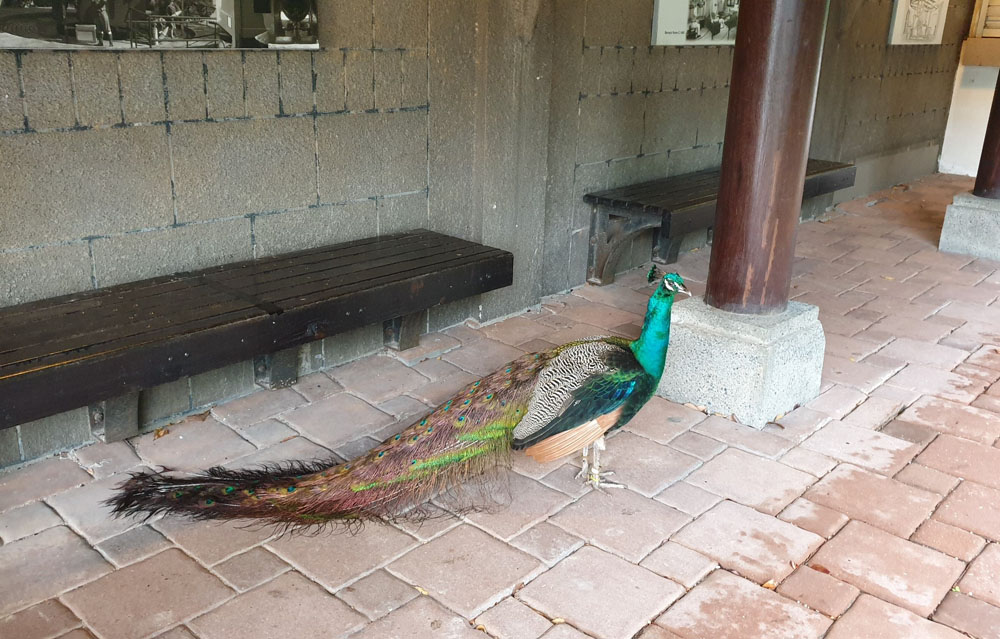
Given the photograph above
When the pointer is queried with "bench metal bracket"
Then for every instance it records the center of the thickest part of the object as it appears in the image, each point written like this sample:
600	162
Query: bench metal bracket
277	370
115	419
610	234
401	333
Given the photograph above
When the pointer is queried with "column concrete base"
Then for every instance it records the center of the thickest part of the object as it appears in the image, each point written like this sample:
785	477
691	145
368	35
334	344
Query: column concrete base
755	367
972	227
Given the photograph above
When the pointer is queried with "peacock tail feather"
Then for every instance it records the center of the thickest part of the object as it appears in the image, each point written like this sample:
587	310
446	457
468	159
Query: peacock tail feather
468	435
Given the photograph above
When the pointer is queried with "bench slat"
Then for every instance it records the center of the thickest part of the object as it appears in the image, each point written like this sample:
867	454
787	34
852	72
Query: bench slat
43	354
72	325
249	278
332	287
303	262
696	184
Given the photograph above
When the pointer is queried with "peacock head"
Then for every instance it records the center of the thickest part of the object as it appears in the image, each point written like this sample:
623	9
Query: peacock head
670	284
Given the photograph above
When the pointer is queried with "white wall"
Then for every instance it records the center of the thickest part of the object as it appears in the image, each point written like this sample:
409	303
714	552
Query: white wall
970	109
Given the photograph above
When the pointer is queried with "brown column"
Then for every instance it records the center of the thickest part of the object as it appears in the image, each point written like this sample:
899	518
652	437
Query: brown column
771	99
988	177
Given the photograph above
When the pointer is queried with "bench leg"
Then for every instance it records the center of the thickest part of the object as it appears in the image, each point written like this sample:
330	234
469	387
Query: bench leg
401	333
277	370
609	236
600	247
667	249
116	418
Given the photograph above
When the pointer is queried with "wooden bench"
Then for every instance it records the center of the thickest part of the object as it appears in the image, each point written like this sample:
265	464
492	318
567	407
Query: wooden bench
100	348
675	205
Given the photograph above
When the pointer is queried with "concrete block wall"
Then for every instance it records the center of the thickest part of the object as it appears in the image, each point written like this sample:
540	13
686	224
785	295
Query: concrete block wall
486	119
884	107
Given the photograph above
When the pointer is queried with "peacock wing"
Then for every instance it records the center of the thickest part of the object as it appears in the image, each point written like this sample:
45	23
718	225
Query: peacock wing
578	395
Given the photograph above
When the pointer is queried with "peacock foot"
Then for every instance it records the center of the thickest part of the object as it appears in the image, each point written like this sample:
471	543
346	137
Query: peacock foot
592	471
585	465
598	481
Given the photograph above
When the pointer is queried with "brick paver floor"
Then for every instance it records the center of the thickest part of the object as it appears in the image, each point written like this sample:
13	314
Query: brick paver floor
872	512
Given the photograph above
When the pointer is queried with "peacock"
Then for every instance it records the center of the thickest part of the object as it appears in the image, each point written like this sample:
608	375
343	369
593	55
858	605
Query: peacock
548	404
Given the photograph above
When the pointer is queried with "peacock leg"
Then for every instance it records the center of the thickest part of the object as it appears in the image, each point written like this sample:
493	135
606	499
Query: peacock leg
596	478
585	466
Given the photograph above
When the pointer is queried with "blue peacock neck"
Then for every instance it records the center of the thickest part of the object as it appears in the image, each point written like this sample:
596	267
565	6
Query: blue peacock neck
651	347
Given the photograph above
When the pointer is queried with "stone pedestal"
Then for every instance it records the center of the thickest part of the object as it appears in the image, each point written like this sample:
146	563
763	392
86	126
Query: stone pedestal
972	227
755	367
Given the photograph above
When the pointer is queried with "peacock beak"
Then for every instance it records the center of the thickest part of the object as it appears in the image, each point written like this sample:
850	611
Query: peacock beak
678	287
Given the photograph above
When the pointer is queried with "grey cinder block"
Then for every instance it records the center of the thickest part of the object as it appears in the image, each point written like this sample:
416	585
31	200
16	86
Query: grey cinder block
185	85
142	87
664	130
755	367
972	227
10	451
55	189
330	91
610	127
359	78
308	228
403	213
47	89
95	86
296	82
345	347
11	104
136	256
277	370
346	157
224	84
43	272
224	383
164	400
260	68
58	432
414	79
256	165
388	79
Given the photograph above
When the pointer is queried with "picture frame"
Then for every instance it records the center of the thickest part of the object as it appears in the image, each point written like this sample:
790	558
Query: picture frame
918	22
695	22
158	24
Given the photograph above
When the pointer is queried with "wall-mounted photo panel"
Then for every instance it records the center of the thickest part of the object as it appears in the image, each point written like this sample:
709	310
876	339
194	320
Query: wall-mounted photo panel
691	22
158	24
918	21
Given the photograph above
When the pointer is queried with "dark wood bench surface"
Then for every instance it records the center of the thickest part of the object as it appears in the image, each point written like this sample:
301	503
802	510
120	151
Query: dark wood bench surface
678	192
70	351
676	205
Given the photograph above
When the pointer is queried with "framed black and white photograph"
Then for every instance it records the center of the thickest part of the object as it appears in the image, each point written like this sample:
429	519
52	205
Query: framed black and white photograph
918	21
694	22
158	24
